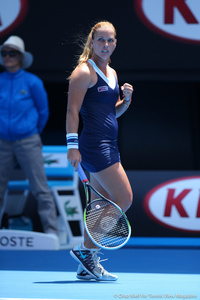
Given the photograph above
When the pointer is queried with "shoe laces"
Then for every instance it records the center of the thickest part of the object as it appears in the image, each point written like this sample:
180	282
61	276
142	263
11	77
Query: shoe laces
98	260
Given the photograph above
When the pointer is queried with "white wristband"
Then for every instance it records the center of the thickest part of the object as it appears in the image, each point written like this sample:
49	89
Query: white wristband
72	140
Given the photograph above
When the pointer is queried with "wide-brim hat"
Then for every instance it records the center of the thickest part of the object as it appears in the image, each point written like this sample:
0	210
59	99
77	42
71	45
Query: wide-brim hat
17	43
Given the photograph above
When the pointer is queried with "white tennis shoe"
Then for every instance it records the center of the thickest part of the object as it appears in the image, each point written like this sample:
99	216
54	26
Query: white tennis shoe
89	264
82	274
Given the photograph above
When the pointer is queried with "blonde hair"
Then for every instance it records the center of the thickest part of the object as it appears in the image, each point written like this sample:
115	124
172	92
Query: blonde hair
87	49
86	45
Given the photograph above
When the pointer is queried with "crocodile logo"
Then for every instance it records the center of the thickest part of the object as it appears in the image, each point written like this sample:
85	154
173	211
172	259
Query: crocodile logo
70	211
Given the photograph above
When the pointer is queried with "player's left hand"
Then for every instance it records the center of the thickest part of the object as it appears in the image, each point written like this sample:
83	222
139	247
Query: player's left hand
127	90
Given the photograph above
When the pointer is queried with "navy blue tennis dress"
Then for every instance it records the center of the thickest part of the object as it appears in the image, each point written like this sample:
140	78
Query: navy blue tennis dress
98	139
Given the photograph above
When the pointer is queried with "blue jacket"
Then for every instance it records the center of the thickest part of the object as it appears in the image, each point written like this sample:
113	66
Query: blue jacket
24	107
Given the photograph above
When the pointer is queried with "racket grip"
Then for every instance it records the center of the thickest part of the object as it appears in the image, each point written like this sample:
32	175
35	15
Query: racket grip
81	173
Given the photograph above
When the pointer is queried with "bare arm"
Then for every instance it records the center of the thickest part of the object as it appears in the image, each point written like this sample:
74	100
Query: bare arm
79	82
123	104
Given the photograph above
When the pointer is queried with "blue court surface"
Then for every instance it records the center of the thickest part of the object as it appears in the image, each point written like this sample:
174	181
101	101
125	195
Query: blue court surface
147	269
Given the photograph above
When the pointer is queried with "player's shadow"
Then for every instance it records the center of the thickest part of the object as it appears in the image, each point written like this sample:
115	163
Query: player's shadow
71	281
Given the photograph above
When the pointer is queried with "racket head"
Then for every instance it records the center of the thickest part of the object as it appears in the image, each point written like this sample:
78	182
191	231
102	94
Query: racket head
106	224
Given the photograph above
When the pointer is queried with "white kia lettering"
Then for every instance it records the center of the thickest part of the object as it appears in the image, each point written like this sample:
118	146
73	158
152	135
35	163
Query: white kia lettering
176	204
179	19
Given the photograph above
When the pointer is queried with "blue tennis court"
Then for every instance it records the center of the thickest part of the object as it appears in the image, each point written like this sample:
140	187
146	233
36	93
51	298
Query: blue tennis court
151	268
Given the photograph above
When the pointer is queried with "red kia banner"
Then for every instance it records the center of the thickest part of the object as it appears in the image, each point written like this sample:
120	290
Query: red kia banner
12	13
176	204
177	19
166	203
156	39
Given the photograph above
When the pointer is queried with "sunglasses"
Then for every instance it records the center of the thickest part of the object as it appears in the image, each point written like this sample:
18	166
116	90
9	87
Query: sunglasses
11	53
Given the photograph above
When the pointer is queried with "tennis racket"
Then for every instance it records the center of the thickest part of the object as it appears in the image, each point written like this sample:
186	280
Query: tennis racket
105	223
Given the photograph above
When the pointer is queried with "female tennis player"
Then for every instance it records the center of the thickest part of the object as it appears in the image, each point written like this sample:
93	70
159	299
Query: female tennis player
94	93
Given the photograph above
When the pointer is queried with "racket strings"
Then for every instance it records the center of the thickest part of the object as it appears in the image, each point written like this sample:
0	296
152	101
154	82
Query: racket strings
106	224
118	234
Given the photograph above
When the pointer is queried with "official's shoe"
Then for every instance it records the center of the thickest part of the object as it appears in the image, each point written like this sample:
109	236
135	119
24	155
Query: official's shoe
88	259
82	274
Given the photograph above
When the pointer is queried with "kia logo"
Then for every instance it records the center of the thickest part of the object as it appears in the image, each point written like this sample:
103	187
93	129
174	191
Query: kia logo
177	19
12	13
176	204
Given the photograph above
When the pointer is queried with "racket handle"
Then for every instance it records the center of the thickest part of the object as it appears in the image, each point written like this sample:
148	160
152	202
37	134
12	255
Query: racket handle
81	173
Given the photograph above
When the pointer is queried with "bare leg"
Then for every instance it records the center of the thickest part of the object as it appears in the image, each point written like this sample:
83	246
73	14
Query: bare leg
113	183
